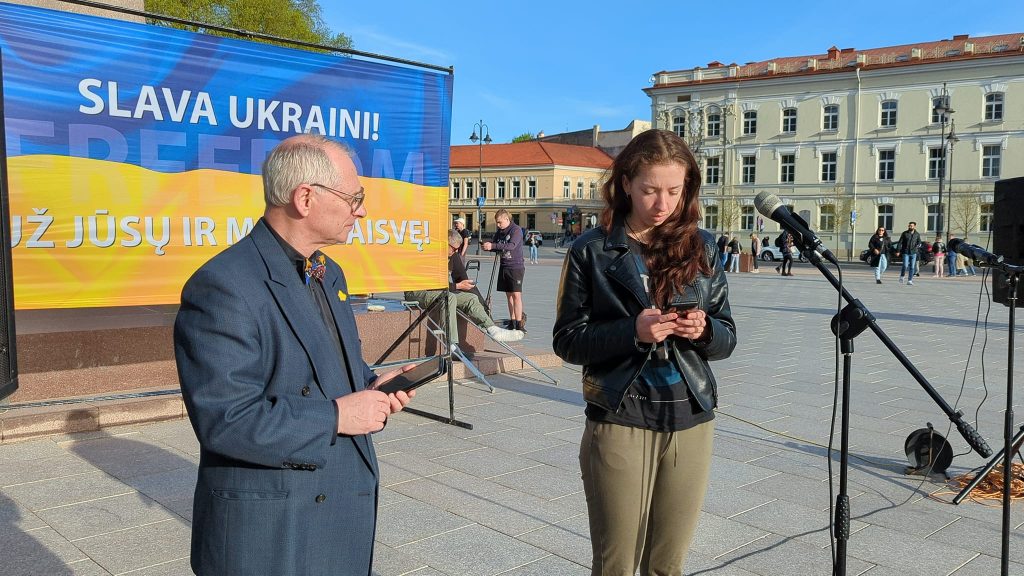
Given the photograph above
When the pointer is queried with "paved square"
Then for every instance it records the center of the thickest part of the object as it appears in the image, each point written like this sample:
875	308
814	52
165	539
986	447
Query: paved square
505	497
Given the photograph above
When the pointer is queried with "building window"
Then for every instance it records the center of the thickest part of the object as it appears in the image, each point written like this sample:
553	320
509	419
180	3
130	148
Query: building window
828	166
469	189
593	189
714	124
515	218
886	216
516	189
483	188
826	217
789	120
711	217
936	167
887	165
456	190
934	217
713	171
788	172
531	221
469	222
501	189
531	188
936	102
990	161
994	107
750	122
679	126
830	119
986	218
749	170
889	108
579	188
566	188
747	217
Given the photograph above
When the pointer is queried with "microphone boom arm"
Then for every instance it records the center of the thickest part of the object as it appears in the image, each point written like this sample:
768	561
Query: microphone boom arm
966	430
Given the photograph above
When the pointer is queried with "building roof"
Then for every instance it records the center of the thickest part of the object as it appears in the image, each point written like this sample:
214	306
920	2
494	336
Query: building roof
960	47
531	153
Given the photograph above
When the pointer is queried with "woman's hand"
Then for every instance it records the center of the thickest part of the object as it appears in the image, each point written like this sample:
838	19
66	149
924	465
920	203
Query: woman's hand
653	326
691	324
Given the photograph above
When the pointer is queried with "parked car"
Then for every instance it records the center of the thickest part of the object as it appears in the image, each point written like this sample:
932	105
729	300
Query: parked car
537	233
773	253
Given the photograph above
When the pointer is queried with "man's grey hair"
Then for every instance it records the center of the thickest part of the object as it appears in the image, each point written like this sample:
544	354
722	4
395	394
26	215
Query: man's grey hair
302	160
454	239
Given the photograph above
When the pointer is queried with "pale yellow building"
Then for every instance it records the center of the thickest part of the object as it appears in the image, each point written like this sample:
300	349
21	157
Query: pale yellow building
855	131
537	182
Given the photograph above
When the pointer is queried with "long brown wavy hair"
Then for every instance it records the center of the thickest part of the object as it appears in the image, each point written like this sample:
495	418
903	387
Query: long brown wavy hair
675	251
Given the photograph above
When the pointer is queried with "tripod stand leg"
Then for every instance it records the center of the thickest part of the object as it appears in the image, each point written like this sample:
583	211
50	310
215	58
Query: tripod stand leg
1018	439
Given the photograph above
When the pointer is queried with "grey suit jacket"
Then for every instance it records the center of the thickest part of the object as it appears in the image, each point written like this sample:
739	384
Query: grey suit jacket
279	492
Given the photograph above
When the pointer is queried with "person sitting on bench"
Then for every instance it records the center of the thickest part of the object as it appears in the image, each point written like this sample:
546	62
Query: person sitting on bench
463	296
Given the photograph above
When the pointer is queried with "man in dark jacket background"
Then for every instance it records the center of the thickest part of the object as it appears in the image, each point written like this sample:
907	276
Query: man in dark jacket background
909	242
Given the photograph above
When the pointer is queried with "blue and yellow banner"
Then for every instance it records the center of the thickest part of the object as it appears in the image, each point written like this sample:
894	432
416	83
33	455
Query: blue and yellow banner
134	155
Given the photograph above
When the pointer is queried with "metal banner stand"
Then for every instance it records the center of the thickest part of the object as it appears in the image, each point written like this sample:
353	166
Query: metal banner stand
442	304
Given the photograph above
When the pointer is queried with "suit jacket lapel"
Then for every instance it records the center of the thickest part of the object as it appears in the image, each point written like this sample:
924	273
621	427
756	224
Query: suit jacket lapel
284	283
345	321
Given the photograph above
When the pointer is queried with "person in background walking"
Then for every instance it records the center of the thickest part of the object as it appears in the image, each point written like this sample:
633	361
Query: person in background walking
951	259
531	242
460	227
734	254
939	253
786	267
878	247
755	250
909	242
723	254
968	263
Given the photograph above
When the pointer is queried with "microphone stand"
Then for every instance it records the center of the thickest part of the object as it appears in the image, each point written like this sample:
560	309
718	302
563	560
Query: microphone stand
1010	442
850	322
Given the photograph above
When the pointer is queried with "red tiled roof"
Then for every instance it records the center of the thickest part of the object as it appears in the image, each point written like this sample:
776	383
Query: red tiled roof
531	153
837	60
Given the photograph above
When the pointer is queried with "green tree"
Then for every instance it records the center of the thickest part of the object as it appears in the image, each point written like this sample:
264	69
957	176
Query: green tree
300	20
524	137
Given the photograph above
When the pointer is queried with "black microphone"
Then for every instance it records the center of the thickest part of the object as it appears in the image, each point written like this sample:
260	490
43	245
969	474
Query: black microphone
769	205
974	252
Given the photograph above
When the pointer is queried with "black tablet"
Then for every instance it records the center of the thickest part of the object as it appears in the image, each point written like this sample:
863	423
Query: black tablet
423	372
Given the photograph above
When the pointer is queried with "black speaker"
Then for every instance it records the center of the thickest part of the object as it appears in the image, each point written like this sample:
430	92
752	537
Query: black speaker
1007	234
8	352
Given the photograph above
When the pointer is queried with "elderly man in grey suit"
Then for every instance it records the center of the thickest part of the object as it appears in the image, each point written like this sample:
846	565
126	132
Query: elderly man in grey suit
275	385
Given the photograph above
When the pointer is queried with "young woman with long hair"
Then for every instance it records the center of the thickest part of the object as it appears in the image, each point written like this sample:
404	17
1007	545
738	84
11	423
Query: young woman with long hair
643	306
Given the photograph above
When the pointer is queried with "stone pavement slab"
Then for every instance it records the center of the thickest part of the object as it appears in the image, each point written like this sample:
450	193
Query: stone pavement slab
505	497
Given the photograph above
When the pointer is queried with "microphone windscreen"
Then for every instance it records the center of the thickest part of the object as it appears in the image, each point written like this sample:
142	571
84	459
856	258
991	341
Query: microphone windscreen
766	203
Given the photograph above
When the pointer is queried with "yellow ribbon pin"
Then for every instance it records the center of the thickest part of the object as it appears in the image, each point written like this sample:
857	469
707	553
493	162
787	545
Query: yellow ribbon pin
342	296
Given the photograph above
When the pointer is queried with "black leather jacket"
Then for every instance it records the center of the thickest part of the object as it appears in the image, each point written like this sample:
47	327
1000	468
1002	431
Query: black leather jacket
599	298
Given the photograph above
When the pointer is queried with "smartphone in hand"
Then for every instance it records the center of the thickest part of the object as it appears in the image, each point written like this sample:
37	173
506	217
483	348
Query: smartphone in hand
423	373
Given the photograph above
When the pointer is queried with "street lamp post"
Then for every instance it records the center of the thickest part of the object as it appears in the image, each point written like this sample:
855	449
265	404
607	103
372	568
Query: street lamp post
952	139
943	109
484	138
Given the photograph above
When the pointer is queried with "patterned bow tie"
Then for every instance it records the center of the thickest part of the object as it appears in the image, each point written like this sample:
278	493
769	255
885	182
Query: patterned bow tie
316	268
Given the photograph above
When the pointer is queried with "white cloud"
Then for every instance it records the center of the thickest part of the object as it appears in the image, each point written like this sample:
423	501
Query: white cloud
391	46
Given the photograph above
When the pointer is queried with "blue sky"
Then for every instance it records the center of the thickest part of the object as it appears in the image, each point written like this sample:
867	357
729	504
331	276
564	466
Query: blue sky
528	66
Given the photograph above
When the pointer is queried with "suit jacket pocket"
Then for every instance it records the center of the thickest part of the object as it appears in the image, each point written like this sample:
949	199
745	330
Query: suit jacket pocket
249	495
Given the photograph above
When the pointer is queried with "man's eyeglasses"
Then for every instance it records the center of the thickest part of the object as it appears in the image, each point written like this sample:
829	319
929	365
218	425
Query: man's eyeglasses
355	201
